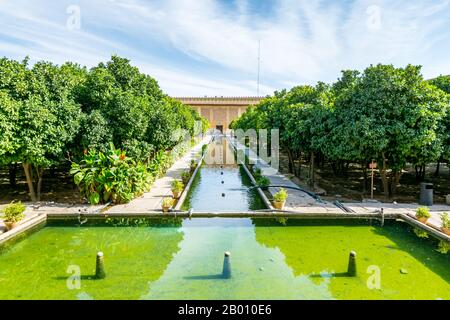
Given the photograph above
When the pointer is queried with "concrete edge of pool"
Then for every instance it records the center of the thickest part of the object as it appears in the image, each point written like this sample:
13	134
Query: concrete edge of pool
37	220
252	179
185	192
187	188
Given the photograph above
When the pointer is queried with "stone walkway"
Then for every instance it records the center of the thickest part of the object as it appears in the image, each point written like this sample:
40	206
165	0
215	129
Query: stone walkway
152	200
35	209
405	208
302	202
297	200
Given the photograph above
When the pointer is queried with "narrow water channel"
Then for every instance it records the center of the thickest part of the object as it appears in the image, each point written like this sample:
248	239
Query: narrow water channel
222	186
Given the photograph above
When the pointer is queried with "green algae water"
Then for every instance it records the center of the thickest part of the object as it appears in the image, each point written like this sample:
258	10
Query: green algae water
222	187
182	259
216	189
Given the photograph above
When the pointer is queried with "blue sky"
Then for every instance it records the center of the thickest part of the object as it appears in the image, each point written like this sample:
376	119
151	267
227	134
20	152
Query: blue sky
206	47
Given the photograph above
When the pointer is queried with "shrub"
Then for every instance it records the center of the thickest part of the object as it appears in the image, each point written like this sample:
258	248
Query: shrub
445	220
257	173
420	233
193	165
110	176
204	148
443	247
177	185
185	176
423	212
263	181
280	196
13	212
159	164
168	202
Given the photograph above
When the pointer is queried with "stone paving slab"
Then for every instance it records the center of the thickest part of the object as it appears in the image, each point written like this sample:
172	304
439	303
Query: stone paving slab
34	209
403	208
297	199
161	188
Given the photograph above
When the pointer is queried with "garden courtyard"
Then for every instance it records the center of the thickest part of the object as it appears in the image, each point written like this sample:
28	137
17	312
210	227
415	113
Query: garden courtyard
109	191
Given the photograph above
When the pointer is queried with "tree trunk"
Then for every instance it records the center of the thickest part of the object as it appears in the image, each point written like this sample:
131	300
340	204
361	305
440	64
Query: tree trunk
384	178
29	177
395	181
345	169
291	161
364	168
12	171
40	175
300	166
438	167
420	172
333	167
311	171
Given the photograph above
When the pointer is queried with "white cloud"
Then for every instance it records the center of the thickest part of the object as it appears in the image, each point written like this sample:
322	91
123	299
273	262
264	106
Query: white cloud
216	47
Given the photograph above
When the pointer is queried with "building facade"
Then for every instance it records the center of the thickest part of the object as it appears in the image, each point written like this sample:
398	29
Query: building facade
220	111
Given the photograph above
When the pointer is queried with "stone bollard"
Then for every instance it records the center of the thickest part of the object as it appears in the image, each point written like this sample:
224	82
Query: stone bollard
226	273
99	266
352	264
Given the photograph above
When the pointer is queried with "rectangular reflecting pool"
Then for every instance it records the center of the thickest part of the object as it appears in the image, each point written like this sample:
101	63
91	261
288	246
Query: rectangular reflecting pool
222	187
183	259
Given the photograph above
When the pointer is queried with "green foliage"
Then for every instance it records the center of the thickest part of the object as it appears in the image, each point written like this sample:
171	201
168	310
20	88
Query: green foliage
420	233
159	164
443	247
140	118
386	114
263	181
174	222
185	176
168	202
51	114
282	221
445	220
204	148
442	82
9	117
177	185
390	115
423	212
96	132
14	212
110	176
281	195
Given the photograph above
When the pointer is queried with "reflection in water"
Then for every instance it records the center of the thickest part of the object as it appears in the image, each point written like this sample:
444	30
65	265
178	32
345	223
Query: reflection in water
258	272
270	259
37	267
220	187
320	250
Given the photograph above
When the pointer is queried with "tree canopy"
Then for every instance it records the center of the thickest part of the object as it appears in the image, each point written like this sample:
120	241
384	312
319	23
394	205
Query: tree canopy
52	114
391	115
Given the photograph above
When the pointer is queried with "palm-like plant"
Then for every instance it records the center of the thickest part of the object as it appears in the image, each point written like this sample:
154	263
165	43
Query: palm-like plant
110	176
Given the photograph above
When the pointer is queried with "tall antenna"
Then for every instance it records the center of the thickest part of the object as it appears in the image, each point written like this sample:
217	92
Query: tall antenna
259	67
